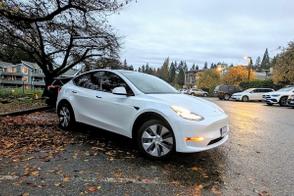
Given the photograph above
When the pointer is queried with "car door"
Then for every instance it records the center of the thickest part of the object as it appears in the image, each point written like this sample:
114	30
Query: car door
116	112
85	96
253	94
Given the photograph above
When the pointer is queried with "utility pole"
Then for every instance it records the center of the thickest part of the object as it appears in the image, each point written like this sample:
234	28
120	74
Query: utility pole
250	63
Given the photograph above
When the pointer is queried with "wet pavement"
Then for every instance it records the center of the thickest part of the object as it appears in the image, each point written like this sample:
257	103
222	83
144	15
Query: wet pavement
258	159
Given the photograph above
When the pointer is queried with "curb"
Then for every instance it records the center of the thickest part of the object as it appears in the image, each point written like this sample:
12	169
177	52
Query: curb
28	111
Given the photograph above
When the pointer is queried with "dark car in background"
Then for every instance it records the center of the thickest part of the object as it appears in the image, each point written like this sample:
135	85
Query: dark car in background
225	91
54	88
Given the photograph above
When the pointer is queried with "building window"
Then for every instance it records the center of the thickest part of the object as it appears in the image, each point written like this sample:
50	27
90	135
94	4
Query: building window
25	70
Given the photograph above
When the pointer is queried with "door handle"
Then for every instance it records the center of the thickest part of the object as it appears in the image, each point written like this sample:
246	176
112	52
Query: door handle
74	92
97	96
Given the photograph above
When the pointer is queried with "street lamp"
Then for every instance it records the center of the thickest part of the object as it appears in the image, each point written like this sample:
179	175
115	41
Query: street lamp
250	62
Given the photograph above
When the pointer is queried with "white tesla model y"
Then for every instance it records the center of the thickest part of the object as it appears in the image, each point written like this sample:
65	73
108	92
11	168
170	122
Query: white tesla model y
145	108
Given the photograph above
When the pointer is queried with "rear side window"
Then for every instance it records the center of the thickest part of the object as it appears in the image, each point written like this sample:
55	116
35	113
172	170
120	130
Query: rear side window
88	80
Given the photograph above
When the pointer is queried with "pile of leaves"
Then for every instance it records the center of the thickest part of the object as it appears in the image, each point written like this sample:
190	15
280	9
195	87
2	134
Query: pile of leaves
31	133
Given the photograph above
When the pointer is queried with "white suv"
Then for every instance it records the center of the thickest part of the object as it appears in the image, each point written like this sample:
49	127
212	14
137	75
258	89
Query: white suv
278	97
145	108
251	94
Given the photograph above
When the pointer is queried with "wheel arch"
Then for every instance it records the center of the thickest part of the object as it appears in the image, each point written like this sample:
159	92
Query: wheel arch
147	116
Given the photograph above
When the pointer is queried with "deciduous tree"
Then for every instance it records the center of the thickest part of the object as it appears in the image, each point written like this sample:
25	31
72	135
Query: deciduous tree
283	66
237	74
59	34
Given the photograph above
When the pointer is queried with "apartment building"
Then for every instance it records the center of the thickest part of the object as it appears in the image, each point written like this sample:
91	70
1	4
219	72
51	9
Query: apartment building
22	74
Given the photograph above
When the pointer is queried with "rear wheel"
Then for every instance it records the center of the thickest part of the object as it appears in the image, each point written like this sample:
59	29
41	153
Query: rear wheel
283	101
227	97
205	95
156	139
245	98
66	116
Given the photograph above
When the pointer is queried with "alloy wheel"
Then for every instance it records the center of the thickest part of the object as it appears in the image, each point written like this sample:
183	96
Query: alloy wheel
157	140
64	117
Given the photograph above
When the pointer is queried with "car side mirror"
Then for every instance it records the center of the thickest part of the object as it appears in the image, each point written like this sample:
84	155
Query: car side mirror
119	90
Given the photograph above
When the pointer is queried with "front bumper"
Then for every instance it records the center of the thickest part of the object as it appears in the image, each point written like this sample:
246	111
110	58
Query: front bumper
271	100
237	98
209	129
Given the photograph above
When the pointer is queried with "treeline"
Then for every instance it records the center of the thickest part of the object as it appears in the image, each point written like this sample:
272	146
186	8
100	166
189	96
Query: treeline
170	71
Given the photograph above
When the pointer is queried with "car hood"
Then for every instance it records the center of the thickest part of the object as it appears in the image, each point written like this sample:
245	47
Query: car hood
238	93
194	104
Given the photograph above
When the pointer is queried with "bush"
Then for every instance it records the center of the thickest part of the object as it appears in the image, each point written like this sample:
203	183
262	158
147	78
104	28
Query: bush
259	84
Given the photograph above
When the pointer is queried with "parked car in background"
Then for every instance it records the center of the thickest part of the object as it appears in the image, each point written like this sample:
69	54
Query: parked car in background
225	91
54	89
278	97
251	94
198	92
158	118
291	100
184	91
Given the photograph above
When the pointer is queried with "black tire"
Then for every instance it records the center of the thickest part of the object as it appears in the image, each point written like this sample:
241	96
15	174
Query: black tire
283	101
227	97
65	107
140	139
245	98
193	94
205	95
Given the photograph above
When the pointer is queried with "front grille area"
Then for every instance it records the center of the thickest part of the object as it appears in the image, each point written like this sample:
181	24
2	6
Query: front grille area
215	141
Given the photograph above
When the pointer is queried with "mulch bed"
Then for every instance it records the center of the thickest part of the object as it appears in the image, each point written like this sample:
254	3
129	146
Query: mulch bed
19	105
31	133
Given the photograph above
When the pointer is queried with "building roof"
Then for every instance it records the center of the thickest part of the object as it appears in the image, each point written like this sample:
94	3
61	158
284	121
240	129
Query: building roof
5	64
30	64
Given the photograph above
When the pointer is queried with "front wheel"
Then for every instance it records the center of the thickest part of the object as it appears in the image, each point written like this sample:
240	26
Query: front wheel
283	101
66	116
227	97
245	98
156	140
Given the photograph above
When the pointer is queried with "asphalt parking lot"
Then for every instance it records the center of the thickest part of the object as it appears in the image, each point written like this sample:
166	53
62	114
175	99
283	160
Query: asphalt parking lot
258	159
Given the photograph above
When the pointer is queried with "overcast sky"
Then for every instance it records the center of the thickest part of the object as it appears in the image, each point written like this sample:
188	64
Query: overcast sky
199	31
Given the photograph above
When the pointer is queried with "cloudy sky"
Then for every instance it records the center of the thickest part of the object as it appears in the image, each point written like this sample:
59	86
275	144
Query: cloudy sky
199	31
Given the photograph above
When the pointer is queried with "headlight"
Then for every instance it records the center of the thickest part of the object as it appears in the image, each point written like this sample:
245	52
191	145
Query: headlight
186	114
275	95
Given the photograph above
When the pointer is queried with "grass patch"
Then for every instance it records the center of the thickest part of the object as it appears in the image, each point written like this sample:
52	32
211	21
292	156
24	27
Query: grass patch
20	92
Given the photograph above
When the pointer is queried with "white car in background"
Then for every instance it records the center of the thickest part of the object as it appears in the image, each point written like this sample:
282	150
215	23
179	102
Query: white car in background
251	94
198	92
145	108
278	97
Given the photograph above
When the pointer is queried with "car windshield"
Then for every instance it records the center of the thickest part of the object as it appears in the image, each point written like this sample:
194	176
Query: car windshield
286	89
149	84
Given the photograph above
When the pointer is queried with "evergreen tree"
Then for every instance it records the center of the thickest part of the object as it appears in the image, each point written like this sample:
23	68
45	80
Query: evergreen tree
193	67
257	63
197	67
125	64
172	73
181	77
265	63
205	65
165	70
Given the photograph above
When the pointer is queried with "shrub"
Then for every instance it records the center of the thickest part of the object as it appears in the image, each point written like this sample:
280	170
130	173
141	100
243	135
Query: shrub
259	84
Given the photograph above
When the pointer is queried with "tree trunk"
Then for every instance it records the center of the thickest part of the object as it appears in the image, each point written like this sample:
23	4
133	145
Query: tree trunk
50	96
